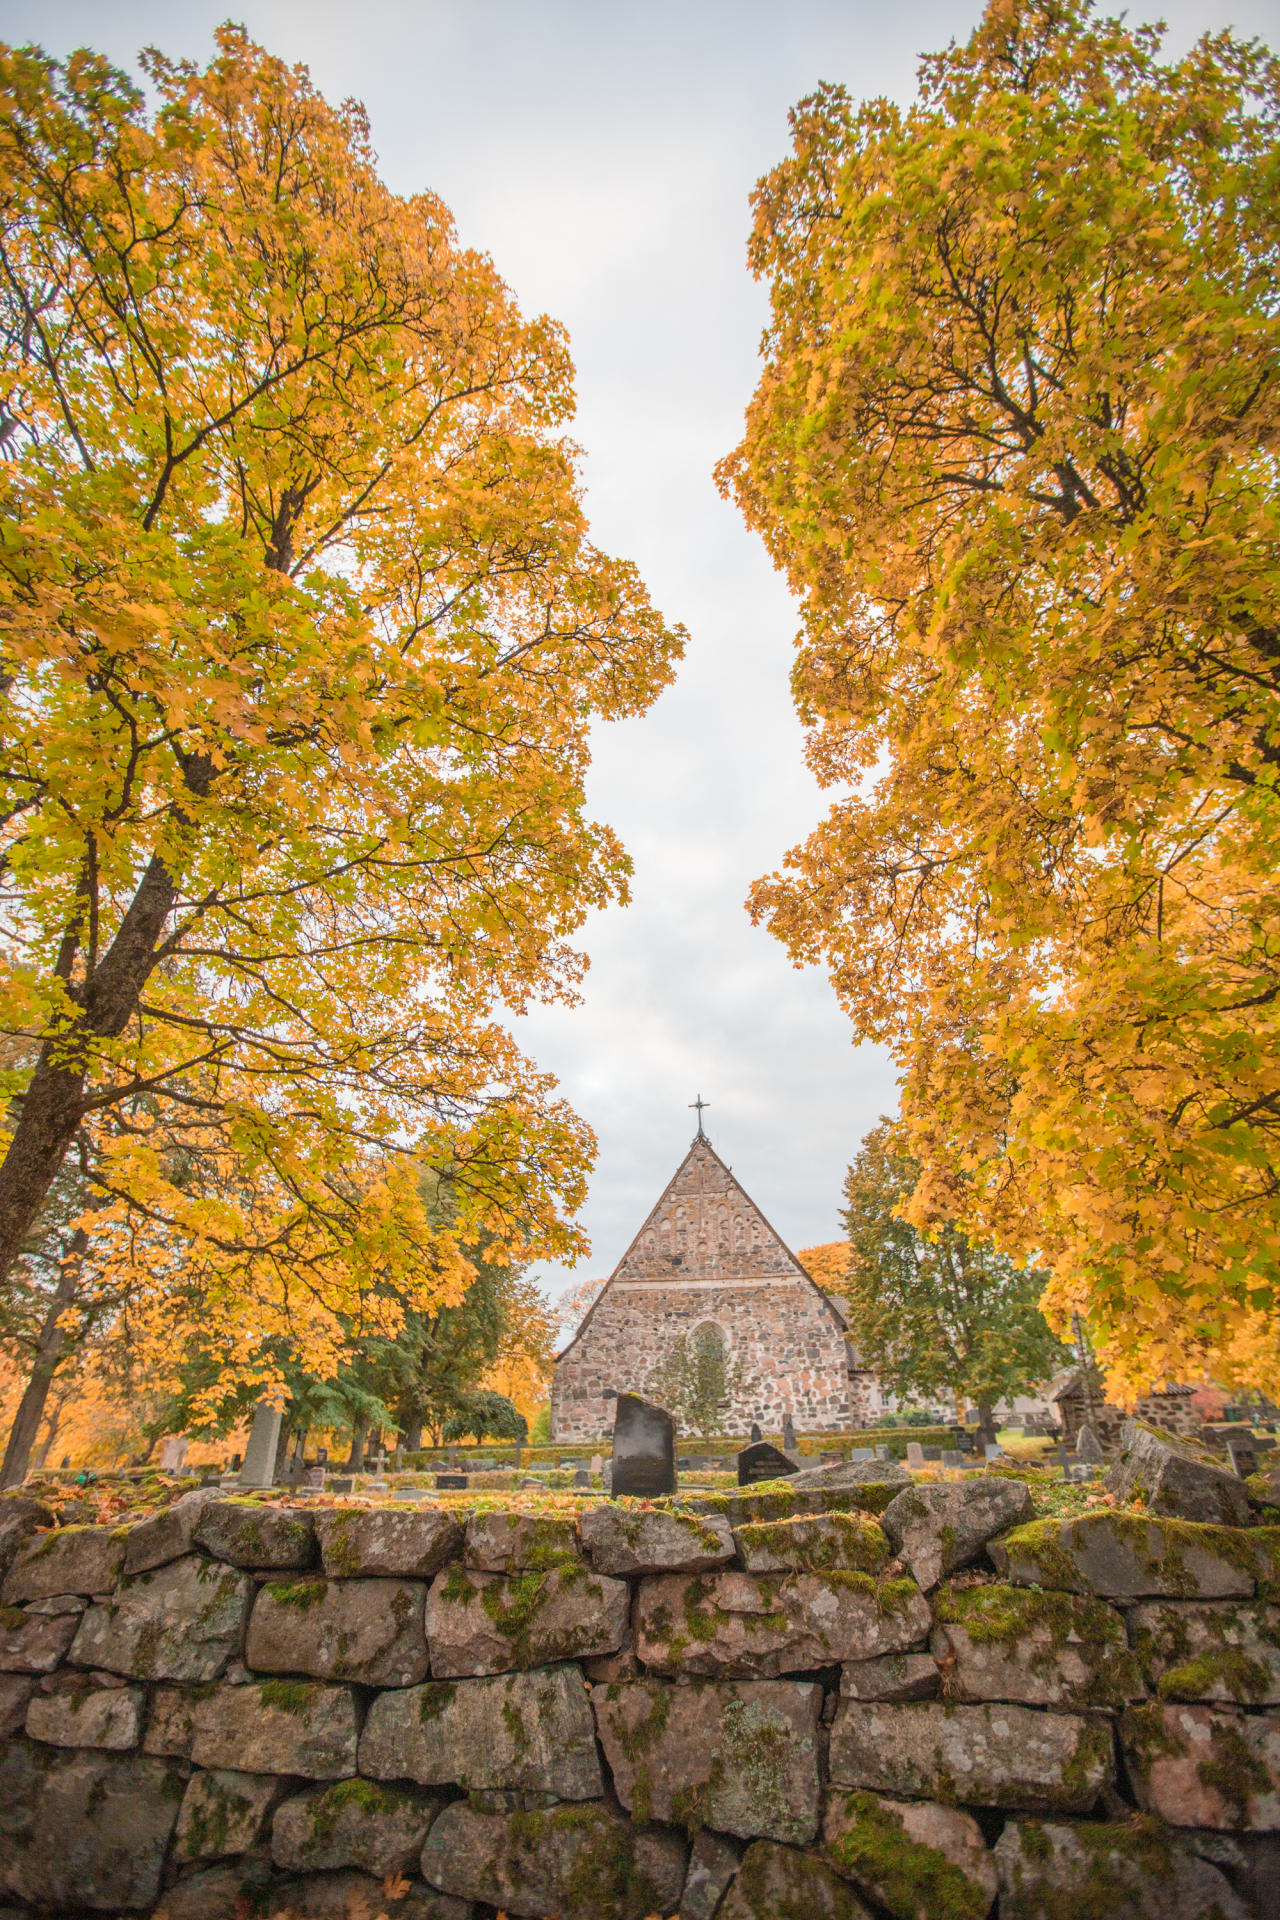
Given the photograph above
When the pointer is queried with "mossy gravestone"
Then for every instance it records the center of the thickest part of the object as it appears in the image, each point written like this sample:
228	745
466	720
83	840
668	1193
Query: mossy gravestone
644	1449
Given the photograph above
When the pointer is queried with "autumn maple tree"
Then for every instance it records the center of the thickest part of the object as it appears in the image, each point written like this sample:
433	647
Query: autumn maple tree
1014	446
301	637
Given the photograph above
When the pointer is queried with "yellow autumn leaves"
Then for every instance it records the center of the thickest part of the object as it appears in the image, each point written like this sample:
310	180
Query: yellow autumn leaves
1014	445
303	634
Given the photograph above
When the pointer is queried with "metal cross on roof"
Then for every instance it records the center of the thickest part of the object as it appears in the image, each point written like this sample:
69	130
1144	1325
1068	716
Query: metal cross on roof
701	1105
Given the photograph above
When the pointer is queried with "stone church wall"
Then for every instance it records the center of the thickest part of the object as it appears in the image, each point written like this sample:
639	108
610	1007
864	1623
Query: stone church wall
434	1714
707	1254
781	1340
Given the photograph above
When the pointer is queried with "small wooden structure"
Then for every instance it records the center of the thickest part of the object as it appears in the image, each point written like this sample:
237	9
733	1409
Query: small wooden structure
1077	1403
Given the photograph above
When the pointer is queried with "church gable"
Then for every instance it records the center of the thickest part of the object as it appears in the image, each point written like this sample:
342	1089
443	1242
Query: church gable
706	1258
705	1228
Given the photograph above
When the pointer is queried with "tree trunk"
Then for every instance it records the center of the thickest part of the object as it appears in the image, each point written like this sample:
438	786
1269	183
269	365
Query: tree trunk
413	1434
51	1109
48	1357
355	1463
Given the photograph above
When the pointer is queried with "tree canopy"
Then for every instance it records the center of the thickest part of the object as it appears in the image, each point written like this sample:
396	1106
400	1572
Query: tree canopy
1014	446
301	637
935	1314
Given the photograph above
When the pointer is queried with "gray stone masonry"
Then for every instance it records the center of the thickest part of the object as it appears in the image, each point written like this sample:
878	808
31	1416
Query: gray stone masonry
379	1830
706	1257
873	1839
368	1631
817	1714
68	1560
740	1757
530	1732
383	1540
182	1621
753	1626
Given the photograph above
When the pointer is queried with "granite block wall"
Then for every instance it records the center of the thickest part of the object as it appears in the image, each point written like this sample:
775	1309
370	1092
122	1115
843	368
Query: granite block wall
749	1706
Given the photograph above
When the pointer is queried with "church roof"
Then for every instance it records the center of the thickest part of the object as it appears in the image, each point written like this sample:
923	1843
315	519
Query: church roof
705	1230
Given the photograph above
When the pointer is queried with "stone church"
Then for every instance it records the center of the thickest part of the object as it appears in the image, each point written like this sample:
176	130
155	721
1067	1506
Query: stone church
707	1260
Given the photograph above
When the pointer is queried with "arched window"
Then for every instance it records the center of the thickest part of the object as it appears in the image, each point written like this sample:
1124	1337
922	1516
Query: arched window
710	1337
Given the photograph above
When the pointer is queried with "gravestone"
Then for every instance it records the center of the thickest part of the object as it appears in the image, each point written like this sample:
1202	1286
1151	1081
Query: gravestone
582	1478
408	1493
315	1479
762	1462
952	1457
932	1453
380	1472
992	1451
322	1456
173	1453
644	1449
880	1453
341	1483
456	1481
1242	1454
1089	1447
915	1454
788	1434
529	1481
756	1434
259	1469
834	1459
597	1463
862	1453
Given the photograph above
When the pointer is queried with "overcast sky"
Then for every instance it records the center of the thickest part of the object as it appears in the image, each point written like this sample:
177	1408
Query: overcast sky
603	153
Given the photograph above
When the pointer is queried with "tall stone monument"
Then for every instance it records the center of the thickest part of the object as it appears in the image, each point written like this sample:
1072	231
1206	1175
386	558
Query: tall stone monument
259	1469
644	1449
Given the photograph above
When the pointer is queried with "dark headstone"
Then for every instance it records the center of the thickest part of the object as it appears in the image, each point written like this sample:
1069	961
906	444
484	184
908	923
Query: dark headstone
341	1483
762	1462
582	1478
235	1463
322	1456
454	1480
1243	1455
1089	1447
643	1460
755	1432
788	1434
932	1453
644	1449
961	1440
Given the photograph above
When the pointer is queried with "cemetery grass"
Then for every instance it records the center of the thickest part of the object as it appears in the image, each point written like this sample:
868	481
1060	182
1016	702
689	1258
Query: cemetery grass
113	1499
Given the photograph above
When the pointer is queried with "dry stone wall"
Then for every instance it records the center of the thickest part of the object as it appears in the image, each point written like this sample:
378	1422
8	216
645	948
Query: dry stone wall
757	1706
